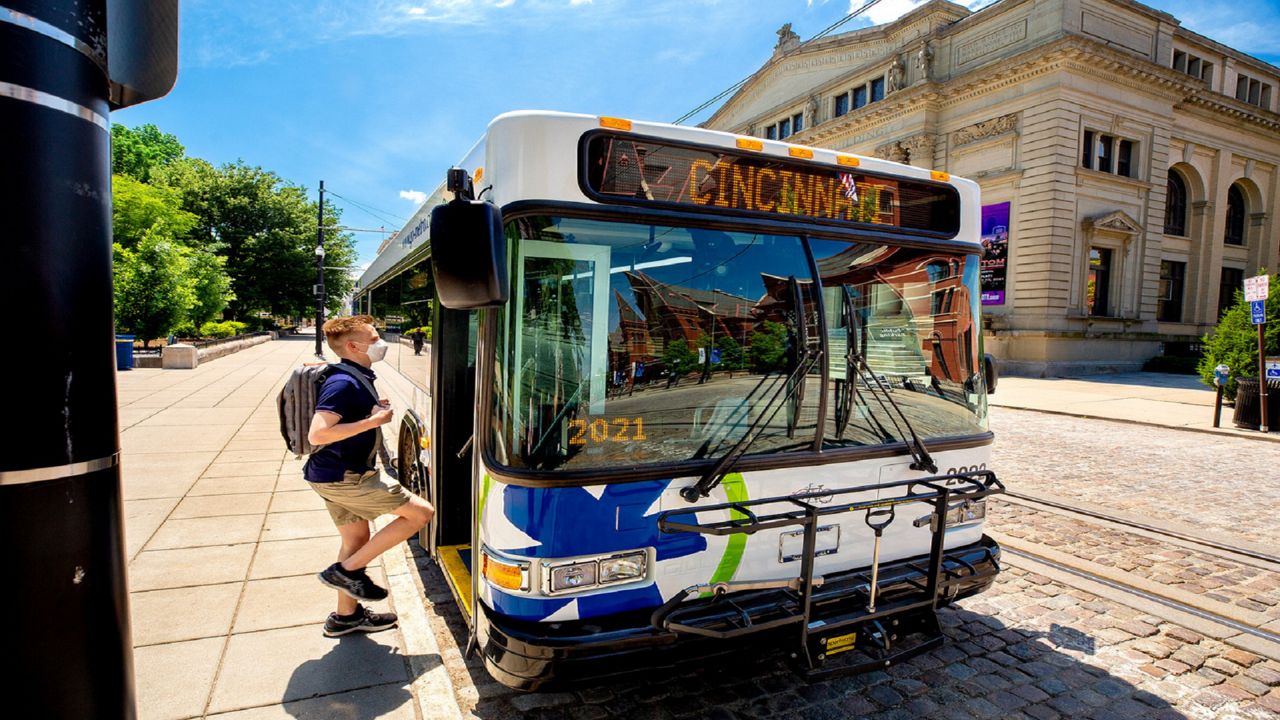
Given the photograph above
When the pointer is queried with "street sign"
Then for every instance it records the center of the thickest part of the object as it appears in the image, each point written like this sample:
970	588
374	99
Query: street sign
715	356
395	318
1258	311
1256	288
1273	368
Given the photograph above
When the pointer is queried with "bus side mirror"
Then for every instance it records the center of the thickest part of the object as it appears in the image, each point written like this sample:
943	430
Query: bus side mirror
469	255
989	370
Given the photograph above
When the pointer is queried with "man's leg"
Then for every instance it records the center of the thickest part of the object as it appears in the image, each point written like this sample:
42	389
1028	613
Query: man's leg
414	514
354	536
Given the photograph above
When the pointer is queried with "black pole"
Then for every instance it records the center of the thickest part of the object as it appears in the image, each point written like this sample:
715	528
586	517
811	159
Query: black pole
320	272
1262	377
1217	408
59	474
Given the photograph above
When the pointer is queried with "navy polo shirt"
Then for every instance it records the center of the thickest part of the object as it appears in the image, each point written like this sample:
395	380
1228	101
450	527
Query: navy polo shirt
345	397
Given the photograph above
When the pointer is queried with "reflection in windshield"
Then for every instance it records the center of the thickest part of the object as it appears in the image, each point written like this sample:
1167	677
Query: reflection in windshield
629	344
634	343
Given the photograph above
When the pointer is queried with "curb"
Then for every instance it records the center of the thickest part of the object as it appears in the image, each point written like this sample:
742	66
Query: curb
1269	437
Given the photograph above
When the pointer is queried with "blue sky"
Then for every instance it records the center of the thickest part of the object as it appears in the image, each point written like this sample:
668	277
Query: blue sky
379	97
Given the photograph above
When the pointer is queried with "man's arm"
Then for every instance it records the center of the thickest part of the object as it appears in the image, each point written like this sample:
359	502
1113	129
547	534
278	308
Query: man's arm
327	427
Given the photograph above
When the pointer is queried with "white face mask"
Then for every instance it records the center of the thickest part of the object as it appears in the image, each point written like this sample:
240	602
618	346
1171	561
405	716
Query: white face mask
377	350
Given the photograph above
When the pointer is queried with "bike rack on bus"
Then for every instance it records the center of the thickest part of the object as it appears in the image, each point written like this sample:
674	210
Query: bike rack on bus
738	609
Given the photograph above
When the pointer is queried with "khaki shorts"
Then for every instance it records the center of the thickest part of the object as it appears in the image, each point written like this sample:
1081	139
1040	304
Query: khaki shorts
361	497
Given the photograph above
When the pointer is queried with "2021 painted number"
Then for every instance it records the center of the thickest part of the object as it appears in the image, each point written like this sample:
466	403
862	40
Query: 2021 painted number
600	430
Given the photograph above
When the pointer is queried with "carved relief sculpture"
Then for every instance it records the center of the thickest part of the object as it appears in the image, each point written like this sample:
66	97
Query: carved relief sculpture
812	111
897	75
985	129
787	39
924	62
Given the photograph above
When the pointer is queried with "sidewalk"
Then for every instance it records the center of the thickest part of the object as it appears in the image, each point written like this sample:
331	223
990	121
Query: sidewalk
1174	401
224	540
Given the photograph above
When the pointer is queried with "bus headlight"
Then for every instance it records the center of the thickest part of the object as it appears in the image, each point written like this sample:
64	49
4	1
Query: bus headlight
588	573
622	567
574	576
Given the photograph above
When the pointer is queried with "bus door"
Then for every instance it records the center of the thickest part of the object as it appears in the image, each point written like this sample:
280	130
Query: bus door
453	370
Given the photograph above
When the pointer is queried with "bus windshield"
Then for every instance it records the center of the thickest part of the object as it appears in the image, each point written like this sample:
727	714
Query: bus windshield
631	344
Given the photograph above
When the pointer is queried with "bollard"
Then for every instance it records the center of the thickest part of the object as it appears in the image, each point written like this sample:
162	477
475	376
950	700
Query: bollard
1221	374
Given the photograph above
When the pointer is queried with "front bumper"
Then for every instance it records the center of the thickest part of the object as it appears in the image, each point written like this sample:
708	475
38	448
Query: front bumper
532	655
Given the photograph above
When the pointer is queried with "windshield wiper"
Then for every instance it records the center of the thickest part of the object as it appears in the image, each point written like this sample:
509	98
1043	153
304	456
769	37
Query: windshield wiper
793	385
855	362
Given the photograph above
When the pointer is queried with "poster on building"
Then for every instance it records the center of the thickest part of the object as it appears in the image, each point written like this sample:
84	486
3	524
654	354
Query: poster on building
995	243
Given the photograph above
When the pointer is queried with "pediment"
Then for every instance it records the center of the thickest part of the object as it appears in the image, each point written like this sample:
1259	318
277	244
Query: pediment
1117	221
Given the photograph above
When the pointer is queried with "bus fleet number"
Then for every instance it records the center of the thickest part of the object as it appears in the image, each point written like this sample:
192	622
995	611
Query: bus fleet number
966	469
602	431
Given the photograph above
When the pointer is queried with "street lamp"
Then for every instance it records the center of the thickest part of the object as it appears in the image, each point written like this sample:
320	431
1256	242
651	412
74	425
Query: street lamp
320	297
319	289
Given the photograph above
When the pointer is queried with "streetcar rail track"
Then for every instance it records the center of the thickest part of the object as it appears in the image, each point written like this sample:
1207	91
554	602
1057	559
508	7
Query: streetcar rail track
1185	537
1148	596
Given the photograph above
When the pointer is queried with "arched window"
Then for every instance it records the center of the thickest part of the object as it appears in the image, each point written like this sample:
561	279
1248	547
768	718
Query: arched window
1235	216
1175	205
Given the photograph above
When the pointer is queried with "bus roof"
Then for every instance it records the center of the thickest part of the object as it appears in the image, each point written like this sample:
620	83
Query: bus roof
534	155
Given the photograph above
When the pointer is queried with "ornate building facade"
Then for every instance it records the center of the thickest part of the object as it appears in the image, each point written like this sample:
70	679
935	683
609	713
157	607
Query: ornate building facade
1132	165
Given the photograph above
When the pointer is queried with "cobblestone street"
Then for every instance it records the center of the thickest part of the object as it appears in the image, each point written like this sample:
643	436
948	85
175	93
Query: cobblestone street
1038	644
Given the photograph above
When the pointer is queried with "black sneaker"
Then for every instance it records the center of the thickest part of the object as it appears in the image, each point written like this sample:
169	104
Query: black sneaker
363	620
355	584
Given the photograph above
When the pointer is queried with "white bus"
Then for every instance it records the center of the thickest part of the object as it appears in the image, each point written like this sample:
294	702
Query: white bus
687	390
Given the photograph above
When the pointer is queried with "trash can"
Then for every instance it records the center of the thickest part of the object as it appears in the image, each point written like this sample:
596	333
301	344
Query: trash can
124	352
1249	405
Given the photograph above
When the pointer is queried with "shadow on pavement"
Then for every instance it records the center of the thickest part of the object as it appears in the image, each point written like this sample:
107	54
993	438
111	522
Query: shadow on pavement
987	669
1144	379
376	673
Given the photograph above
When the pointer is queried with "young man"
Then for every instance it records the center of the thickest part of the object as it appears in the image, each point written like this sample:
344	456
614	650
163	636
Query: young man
343	472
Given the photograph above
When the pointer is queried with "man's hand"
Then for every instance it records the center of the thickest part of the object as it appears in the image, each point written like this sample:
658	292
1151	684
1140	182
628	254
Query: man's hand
381	415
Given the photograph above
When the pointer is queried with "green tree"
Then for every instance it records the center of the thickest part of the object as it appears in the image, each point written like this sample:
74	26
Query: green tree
137	152
1234	342
210	285
767	347
136	207
731	355
679	358
152	290
265	227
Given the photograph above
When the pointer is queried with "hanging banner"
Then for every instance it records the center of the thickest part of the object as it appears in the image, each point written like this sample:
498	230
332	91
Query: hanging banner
995	242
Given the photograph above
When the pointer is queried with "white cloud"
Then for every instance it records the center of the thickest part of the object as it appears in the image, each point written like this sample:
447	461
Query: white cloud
579	2
416	196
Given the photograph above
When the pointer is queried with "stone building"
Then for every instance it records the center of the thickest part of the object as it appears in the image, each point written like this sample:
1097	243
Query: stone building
1138	160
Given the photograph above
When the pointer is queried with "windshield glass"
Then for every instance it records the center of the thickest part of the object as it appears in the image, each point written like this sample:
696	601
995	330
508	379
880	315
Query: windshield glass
627	344
912	316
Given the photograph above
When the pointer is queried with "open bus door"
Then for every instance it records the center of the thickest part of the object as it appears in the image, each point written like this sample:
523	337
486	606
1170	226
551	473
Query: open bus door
453	374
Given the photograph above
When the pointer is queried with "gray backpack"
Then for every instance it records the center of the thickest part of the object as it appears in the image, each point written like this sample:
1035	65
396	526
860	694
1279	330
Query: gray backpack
297	403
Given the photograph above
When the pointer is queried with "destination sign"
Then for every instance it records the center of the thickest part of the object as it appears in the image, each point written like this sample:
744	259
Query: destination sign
647	171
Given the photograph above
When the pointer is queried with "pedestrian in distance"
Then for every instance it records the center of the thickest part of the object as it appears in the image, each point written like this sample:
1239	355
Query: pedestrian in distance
418	338
348	423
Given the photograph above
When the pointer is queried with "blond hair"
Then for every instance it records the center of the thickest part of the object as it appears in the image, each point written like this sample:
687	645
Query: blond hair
337	329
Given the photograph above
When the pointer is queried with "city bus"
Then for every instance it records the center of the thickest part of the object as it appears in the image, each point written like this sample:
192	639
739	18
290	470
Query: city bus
688	391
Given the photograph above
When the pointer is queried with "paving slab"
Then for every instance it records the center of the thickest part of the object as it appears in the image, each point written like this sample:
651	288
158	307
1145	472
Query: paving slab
287	601
141	520
253	455
306	556
296	500
287	664
197	532
384	702
173	679
167	474
139	441
157	569
233	485
254	443
242	469
293	525
198	416
222	505
173	615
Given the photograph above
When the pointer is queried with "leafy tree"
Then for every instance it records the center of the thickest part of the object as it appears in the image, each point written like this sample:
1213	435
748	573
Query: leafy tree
265	228
679	358
152	290
731	355
137	206
136	152
1235	341
767	347
210	284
